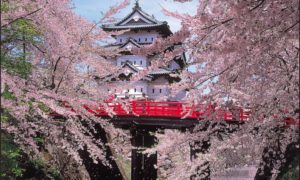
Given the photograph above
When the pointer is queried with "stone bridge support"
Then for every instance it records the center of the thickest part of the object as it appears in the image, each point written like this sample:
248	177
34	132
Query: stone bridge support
143	166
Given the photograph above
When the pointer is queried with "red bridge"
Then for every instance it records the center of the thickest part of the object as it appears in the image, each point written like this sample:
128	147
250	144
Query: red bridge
170	110
168	113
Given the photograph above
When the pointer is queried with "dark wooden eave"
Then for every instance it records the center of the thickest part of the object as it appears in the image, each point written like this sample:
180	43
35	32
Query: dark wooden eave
153	24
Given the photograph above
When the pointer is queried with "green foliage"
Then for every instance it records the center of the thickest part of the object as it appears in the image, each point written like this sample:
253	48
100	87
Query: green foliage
14	164
8	95
292	172
4	117
21	29
16	65
4	7
18	172
51	173
26	30
54	174
39	140
17	36
10	155
38	163
13	153
43	107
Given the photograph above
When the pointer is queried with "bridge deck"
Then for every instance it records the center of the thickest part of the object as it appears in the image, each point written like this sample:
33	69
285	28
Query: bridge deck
169	110
176	113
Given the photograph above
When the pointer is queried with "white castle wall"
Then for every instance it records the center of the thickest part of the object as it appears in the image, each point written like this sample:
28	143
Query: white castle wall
152	90
138	88
137	61
140	36
174	65
158	88
124	88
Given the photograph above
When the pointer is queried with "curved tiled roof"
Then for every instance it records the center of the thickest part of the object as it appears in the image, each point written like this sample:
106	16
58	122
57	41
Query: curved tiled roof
160	71
137	26
130	66
138	9
130	40
154	23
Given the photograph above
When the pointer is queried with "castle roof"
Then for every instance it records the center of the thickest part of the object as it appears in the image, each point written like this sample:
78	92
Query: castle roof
161	71
130	42
137	19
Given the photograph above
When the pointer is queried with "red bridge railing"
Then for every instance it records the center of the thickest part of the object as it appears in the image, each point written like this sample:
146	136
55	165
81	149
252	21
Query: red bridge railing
171	110
165	109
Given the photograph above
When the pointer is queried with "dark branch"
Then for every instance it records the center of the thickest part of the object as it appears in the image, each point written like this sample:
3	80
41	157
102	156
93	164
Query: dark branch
291	26
21	17
52	86
259	4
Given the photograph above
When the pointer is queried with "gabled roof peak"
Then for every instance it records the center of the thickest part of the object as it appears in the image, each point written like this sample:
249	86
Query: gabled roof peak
138	19
137	9
132	41
137	5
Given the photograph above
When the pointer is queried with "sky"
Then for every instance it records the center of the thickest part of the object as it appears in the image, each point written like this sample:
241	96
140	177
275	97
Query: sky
92	9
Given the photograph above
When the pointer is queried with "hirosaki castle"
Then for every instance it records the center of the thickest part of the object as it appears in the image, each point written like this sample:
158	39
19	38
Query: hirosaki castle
142	30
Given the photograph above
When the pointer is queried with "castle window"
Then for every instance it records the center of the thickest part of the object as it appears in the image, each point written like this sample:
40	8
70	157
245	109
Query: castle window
151	39
134	62
159	90
134	89
120	40
145	39
169	66
141	62
128	90
141	89
139	39
153	90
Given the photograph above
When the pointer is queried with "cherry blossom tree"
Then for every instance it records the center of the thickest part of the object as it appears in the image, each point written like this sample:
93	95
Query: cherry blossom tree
246	54
241	53
57	46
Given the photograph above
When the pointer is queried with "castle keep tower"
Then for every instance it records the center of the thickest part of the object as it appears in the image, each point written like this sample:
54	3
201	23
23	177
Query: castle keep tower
143	30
